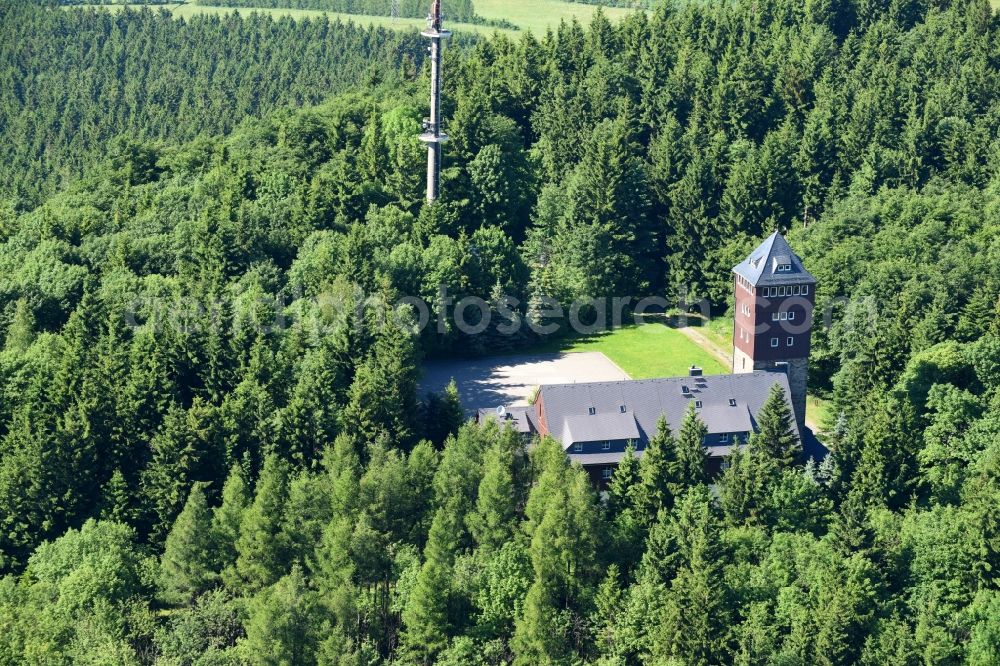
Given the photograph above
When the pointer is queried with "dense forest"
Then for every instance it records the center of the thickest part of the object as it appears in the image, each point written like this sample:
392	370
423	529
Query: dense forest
213	447
76	83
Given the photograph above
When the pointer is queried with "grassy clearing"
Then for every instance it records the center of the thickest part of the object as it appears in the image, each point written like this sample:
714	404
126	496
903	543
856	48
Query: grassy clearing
718	330
644	352
534	15
539	15
819	411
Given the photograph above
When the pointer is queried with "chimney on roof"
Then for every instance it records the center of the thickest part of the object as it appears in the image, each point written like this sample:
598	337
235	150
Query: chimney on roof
694	371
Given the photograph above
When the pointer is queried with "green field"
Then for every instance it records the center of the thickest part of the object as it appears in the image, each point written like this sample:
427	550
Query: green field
650	350
536	15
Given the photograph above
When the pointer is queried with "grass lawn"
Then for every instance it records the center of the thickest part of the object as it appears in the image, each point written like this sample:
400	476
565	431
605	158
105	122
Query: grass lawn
719	330
819	411
644	352
534	15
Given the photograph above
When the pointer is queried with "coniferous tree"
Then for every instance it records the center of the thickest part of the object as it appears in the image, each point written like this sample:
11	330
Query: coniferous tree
624	519
690	466
343	468
186	449
118	504
647	596
333	571
226	521
492	523
262	551
774	425
607	614
372	156
187	567
426	616
657	486
443	414
382	399
310	421
745	487
623	483
694	623
283	626
306	514
21	331
562	519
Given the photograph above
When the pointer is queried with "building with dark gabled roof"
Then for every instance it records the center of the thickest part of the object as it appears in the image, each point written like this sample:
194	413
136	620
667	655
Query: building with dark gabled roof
596	421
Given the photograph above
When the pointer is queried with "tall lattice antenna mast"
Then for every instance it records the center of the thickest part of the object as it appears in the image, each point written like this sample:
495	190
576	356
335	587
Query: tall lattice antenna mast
394	10
433	136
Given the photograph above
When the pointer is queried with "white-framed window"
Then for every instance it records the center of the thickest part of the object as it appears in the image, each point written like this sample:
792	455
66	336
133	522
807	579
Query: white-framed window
791	341
725	464
775	316
805	289
791	316
622	409
724	438
795	291
577	447
781	291
607	473
732	402
606	445
697	404
774	342
592	410
685	390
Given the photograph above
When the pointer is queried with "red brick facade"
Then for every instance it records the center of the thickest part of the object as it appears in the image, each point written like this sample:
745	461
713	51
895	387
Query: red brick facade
755	327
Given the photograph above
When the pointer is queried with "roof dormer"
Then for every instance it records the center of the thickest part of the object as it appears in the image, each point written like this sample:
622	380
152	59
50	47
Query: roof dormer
773	263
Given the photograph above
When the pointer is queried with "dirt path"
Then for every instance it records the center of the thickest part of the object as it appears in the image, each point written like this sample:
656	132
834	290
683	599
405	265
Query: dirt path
715	350
726	358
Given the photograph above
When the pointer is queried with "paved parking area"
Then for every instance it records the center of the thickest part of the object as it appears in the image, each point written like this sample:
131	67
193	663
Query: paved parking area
510	380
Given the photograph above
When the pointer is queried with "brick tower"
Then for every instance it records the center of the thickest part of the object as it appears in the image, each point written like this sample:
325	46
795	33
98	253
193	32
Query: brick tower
775	295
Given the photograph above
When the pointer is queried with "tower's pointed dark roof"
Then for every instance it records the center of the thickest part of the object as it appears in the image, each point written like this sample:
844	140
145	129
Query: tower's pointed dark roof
761	267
